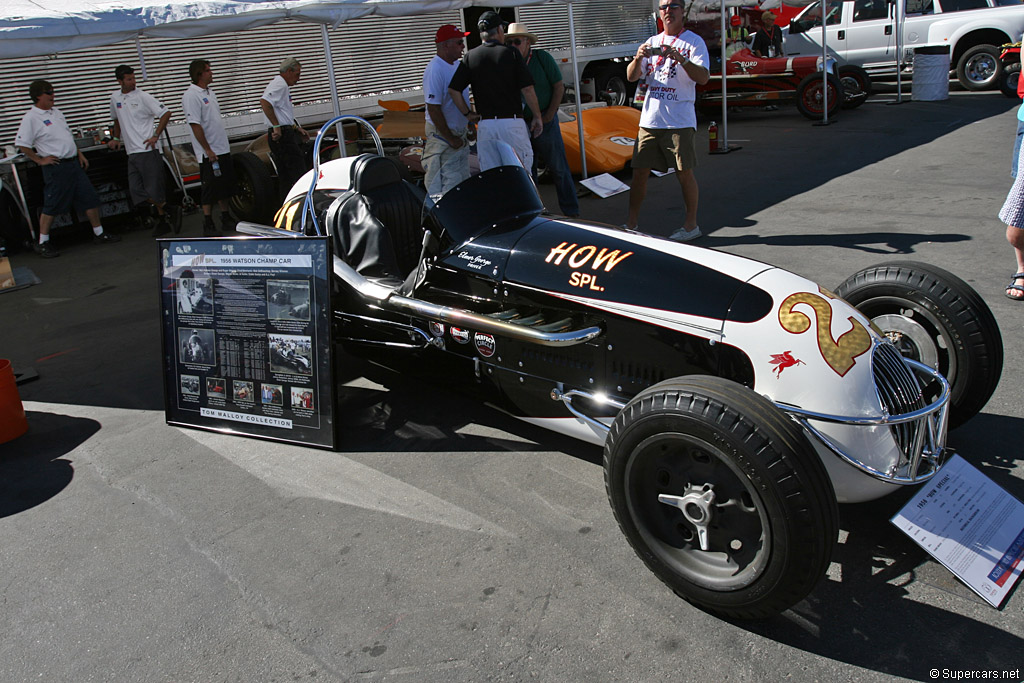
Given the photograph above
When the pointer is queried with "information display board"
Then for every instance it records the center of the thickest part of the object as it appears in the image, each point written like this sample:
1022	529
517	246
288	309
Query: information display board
247	337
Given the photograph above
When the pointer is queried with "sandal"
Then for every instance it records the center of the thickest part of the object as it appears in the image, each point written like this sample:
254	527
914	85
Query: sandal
1015	287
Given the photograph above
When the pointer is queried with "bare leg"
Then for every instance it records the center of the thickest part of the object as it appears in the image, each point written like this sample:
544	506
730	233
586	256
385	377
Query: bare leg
1015	236
688	183
93	215
45	221
637	192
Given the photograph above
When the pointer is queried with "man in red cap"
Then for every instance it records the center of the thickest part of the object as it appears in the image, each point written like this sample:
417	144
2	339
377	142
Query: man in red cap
446	149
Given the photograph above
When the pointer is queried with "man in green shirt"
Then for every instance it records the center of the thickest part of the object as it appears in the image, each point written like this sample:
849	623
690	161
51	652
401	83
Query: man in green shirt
547	82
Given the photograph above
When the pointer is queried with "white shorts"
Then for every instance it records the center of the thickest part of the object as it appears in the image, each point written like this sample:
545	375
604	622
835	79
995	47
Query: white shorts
512	131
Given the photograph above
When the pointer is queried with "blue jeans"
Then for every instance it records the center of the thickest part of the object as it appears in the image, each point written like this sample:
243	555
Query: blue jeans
1016	146
548	146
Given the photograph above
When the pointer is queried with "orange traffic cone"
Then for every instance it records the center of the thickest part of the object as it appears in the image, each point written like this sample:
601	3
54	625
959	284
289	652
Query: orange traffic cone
12	413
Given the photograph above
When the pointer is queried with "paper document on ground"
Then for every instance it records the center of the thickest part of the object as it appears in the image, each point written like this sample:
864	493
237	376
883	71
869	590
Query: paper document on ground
605	185
971	525
662	173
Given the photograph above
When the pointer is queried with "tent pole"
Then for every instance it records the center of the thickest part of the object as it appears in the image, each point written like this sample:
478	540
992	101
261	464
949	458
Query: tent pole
899	51
824	61
723	142
330	70
142	60
576	90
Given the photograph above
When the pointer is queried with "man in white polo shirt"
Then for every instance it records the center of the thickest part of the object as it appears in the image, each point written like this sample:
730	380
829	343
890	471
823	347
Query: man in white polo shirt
133	112
284	133
45	138
211	147
445	145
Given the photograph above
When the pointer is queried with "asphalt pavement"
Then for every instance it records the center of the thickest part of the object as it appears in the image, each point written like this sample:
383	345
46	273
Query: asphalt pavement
446	541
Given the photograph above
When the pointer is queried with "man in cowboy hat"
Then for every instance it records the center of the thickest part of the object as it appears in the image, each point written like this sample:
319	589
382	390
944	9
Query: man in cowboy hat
500	81
446	148
547	84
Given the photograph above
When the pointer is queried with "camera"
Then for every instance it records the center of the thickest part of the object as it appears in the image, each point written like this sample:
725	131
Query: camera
657	50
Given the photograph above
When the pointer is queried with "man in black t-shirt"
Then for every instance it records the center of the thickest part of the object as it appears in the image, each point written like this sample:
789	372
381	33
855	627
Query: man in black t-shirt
500	81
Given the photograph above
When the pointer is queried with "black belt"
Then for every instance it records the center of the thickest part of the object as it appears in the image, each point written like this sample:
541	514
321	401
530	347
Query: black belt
64	161
514	116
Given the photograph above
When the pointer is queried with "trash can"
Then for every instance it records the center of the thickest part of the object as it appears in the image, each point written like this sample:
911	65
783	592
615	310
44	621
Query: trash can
12	413
931	74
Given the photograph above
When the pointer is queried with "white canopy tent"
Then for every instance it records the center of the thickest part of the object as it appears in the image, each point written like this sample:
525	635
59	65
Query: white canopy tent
40	27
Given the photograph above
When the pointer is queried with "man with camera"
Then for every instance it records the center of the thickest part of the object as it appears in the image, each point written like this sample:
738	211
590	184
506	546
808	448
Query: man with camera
671	65
500	81
446	145
284	135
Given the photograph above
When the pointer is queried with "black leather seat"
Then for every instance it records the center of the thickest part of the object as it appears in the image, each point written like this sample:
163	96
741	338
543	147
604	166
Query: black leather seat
397	204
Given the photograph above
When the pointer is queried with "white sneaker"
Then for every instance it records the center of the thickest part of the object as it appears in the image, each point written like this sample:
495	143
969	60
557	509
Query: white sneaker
684	235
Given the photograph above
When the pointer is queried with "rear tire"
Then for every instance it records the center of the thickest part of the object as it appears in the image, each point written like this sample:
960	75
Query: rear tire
810	96
938	319
979	68
856	86
614	87
256	200
772	520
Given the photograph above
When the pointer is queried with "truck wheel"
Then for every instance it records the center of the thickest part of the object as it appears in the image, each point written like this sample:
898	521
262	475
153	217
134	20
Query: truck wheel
1010	79
257	194
810	96
612	84
856	86
979	68
721	495
938	319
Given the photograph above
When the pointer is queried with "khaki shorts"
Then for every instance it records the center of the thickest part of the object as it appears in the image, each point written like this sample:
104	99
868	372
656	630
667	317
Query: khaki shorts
665	148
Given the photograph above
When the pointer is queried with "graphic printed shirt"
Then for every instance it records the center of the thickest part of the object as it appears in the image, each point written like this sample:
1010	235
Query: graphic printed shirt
47	131
201	106
671	92
136	112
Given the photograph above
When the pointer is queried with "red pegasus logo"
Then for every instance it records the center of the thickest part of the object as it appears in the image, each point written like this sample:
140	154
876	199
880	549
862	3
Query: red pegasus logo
784	360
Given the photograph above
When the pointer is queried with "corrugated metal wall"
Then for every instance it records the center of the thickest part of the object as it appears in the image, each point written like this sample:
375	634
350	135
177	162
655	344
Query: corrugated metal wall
597	22
371	55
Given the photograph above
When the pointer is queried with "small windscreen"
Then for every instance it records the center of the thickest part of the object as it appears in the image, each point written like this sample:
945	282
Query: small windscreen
485	200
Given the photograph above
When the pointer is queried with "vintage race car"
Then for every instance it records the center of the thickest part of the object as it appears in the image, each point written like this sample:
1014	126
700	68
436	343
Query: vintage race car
609	133
736	403
757	81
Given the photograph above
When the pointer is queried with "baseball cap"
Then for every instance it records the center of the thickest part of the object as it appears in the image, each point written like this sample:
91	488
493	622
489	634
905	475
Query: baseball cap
489	21
735	21
447	32
122	71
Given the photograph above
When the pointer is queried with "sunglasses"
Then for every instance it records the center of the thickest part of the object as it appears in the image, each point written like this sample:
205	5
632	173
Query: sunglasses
514	41
674	5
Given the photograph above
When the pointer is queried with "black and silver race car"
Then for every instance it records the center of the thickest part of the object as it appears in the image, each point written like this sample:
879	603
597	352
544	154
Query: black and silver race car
737	403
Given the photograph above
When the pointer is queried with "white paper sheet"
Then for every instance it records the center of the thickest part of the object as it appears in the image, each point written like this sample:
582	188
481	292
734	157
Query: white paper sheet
971	525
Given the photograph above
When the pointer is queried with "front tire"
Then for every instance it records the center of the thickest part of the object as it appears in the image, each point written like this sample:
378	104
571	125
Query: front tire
979	68
938	319
810	96
771	521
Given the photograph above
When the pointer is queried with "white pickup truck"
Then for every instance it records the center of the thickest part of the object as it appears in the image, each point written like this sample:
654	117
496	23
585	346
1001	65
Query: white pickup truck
863	33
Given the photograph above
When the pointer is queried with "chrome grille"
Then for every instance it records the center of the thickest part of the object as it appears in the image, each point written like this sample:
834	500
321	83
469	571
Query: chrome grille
900	393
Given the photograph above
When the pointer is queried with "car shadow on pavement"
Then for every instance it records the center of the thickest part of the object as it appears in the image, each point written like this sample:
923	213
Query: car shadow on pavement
869	618
412	414
32	467
869	612
888	243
